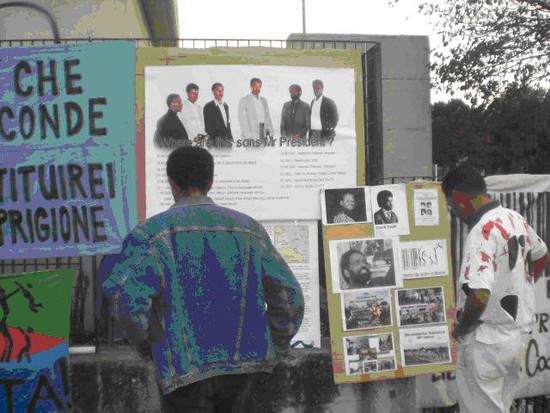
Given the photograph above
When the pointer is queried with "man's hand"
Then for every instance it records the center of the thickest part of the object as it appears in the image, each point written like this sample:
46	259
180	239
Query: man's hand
459	331
476	302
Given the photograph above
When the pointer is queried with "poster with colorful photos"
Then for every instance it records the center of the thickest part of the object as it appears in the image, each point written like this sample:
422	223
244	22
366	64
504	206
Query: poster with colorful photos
390	292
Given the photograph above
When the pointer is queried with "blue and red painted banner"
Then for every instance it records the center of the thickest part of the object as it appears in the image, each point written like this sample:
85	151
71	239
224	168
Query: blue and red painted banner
34	341
67	149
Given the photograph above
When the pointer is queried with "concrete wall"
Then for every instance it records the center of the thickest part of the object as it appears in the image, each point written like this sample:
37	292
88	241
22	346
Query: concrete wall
406	115
117	379
76	19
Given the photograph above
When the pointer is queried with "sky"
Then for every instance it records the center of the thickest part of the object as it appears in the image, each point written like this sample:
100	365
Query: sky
260	19
275	20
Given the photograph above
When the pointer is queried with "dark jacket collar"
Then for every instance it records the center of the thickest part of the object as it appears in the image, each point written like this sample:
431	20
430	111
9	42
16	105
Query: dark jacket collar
194	200
482	211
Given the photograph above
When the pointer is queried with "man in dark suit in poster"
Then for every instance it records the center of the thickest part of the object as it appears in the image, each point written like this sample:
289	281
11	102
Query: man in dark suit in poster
324	114
170	132
295	115
385	215
216	119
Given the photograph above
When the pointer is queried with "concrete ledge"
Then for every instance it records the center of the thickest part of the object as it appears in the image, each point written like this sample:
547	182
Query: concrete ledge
117	379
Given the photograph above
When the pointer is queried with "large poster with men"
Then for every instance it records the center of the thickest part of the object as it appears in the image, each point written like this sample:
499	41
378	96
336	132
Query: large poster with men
67	158
390	290
281	124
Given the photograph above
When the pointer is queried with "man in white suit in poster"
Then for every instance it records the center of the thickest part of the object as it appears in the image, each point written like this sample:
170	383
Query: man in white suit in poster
254	116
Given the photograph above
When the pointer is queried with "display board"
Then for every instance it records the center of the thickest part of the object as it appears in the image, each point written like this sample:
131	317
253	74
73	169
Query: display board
276	176
34	341
67	158
390	293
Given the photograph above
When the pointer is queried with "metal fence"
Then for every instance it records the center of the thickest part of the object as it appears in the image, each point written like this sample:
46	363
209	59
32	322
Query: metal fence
91	325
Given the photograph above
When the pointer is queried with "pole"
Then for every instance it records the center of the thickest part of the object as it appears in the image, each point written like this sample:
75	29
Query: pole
304	16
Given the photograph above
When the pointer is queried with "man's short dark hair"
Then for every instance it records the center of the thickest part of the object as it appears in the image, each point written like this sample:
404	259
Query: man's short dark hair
296	86
464	178
343	194
190	87
318	81
215	85
171	97
254	80
190	167
382	197
344	262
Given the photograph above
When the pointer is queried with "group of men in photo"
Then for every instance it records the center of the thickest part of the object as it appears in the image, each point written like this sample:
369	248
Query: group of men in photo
185	123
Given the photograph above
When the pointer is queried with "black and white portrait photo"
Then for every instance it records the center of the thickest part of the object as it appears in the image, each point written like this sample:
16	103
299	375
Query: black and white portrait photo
345	206
364	263
390	213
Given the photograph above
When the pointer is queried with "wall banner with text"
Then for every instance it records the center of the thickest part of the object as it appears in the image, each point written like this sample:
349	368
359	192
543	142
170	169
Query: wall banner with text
34	341
67	156
280	123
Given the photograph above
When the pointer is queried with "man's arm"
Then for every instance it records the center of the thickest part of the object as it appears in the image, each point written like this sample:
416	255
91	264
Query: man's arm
268	121
283	296
135	282
246	133
539	266
476	302
307	119
283	120
333	114
208	120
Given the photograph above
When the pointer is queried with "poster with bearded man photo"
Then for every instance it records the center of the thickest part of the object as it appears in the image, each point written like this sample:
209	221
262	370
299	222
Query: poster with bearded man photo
364	263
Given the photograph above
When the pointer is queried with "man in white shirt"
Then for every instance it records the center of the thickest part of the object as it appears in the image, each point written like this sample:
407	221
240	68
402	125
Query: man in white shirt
191	116
254	117
503	258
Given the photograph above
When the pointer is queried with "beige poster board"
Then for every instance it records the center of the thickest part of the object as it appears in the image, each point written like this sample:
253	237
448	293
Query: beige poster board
266	179
391	298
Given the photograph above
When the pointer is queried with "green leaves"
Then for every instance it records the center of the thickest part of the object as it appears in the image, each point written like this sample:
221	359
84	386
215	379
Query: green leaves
509	135
489	44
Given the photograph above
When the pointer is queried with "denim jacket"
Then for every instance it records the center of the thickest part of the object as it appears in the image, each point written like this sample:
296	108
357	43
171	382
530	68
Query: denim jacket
208	290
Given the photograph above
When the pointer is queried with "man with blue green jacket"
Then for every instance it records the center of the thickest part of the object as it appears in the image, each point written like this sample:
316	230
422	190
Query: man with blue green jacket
204	285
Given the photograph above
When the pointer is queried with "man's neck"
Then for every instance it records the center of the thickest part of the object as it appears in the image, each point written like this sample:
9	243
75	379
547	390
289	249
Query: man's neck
191	193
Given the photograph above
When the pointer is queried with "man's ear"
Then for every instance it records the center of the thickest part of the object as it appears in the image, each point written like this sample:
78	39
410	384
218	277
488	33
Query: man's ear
345	275
209	185
176	190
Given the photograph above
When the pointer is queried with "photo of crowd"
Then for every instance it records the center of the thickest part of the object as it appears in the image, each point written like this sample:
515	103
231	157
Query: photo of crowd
417	306
427	355
369	353
365	310
426	345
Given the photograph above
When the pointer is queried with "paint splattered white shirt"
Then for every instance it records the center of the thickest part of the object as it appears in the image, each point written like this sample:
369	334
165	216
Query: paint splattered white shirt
498	256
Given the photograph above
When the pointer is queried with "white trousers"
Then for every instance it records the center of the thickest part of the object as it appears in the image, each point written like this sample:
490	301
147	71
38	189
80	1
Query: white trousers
488	375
